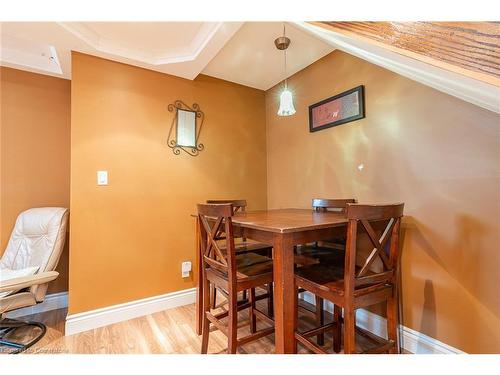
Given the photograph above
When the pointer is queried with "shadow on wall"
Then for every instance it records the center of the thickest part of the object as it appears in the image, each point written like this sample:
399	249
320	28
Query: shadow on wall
460	258
428	319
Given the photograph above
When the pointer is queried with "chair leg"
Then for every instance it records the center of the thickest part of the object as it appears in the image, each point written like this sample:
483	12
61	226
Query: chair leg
253	322
270	291
232	330
244	295
392	323
270	300
320	319
295	316
213	296
9	325
349	330
337	333
205	330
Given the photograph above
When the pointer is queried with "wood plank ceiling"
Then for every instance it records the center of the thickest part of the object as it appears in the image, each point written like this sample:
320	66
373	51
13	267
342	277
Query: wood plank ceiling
468	48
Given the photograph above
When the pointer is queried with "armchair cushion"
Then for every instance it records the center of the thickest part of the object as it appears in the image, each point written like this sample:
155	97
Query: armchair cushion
37	240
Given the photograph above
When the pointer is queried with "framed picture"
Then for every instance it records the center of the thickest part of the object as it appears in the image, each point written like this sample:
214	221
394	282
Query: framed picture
337	110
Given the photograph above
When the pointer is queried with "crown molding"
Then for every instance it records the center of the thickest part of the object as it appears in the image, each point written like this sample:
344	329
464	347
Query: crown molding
108	46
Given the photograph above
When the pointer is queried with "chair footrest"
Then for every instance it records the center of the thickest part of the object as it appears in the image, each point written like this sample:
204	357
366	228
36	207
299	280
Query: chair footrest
317	331
383	344
263	316
255	336
382	347
309	344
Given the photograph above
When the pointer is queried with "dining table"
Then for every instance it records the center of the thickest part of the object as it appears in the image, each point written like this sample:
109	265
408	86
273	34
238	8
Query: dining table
283	229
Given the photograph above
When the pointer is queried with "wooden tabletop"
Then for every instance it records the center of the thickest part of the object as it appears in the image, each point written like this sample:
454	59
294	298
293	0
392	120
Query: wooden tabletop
288	220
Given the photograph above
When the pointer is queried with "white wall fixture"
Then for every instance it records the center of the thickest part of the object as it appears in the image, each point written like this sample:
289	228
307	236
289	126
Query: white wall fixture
185	269
102	177
22	53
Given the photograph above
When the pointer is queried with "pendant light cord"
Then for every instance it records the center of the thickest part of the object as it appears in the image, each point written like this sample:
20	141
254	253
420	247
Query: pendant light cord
286	86
284	34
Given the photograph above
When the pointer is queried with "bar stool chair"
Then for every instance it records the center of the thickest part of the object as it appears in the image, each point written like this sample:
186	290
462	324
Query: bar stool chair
330	252
353	285
231	272
317	251
240	205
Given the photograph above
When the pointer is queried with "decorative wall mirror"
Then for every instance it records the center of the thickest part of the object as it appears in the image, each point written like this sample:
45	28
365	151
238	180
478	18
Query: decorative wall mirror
185	129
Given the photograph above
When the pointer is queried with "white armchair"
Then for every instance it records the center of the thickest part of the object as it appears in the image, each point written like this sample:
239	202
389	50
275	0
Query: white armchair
36	244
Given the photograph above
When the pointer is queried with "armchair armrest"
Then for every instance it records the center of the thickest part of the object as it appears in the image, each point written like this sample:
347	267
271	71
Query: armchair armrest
27	281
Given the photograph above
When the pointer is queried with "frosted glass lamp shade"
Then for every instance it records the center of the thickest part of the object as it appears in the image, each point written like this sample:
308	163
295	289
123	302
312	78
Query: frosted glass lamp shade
286	104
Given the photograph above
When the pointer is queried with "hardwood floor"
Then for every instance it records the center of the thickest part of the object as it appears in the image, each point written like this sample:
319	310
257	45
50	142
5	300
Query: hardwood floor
170	331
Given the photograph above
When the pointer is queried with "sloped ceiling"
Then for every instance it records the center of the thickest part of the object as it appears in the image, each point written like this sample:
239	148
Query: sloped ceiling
468	48
251	58
448	78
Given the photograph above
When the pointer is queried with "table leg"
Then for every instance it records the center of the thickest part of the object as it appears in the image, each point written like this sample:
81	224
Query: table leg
285	309
199	283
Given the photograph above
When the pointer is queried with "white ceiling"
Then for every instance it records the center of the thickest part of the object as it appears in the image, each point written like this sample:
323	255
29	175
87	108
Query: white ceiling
234	51
250	57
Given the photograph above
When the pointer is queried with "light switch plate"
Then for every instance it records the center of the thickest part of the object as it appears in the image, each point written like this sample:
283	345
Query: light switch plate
102	177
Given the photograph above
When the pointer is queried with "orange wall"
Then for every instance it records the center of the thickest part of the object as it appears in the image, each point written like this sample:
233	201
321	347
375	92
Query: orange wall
35	150
128	239
434	152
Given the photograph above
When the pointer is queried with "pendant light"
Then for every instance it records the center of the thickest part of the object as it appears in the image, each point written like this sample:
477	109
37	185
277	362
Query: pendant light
286	107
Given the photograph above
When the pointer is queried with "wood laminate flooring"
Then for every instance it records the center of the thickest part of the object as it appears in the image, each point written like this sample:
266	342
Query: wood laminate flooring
169	331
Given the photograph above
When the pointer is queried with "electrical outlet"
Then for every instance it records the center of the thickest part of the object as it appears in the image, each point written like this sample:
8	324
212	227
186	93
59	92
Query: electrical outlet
186	269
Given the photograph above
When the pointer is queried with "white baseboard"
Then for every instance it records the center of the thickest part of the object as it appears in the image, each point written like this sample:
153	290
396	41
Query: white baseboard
88	320
52	301
412	341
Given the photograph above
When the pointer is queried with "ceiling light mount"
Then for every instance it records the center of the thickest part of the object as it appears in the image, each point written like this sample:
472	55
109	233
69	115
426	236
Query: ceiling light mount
282	43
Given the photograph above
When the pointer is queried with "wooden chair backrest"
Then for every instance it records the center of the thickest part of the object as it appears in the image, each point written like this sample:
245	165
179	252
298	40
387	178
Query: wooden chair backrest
385	247
323	205
238	204
215	224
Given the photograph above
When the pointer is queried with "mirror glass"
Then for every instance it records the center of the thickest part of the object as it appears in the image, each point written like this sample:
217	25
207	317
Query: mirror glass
186	128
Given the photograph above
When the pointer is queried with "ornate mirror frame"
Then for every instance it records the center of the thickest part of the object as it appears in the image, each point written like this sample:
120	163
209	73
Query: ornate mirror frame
173	134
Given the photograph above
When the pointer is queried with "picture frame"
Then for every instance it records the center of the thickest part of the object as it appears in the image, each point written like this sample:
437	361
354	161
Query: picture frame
338	109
